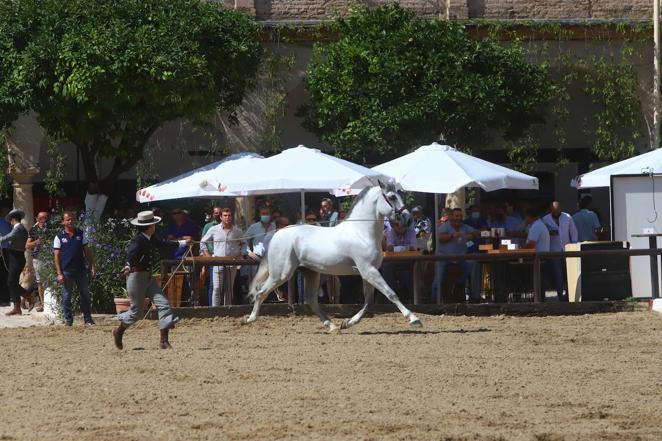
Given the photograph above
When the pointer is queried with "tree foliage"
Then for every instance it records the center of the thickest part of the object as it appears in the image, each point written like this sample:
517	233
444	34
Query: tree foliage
392	82
105	75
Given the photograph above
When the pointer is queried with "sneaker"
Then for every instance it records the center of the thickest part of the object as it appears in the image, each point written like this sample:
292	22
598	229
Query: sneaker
90	323
68	324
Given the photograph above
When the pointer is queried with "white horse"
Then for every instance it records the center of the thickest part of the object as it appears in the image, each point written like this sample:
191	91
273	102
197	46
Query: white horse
353	247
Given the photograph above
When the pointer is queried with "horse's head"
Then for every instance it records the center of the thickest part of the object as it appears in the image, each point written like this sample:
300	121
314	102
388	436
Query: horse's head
390	204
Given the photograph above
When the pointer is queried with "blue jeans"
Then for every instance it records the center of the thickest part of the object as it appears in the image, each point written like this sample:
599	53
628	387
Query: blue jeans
82	282
466	267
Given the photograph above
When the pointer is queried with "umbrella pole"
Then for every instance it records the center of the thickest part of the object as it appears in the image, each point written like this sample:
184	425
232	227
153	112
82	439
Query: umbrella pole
436	220
303	208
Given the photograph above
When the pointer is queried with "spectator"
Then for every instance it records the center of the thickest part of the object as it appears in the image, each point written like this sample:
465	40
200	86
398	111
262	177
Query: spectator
538	239
454	238
562	231
183	228
34	244
422	227
402	236
228	242
478	223
275	214
71	251
15	241
5	228
256	233
206	272
328	216
538	236
586	220
498	219
311	219
254	239
509	210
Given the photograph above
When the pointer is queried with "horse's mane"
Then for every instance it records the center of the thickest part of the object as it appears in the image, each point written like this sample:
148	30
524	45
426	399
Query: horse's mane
390	186
358	198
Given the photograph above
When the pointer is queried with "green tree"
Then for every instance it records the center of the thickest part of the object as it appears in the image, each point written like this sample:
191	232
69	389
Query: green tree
392	82
105	75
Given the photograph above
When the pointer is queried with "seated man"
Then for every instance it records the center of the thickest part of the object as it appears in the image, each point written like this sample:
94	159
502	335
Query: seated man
403	236
454	237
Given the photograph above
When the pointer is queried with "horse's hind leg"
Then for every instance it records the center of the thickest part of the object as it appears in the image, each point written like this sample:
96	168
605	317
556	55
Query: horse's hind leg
373	277
311	283
368	295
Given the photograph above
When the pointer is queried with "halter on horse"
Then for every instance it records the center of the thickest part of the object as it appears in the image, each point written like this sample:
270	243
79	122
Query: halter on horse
354	247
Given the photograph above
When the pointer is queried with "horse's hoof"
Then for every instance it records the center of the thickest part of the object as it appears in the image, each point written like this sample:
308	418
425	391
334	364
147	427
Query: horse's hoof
344	324
333	328
416	323
246	320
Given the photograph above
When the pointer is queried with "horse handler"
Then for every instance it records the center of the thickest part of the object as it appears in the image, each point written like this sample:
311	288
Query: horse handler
140	283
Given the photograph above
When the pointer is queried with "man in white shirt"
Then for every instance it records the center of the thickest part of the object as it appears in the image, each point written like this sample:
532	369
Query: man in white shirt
228	240
562	231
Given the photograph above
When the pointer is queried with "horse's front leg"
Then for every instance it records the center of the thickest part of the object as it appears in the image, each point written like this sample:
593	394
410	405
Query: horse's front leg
368	296
372	276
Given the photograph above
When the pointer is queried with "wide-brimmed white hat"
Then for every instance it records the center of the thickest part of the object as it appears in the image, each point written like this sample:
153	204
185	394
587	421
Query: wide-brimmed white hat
145	218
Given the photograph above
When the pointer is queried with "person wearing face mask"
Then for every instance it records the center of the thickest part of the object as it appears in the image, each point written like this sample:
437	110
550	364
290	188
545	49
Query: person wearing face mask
256	234
562	231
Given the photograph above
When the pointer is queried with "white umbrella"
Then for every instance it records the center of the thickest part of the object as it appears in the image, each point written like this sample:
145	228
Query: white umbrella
646	163
439	168
199	182
301	169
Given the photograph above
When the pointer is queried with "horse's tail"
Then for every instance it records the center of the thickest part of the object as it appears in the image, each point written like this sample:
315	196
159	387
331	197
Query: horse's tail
260	277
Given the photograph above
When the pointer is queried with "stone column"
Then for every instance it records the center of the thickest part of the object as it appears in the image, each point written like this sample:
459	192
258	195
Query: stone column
247	6
22	183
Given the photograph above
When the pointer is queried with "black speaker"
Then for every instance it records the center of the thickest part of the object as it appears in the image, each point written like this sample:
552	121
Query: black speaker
605	277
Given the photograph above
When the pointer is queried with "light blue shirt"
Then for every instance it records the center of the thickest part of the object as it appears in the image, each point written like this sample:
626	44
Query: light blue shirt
539	234
586	222
457	245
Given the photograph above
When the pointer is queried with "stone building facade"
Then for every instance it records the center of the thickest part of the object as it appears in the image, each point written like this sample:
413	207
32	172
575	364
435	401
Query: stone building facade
298	10
246	135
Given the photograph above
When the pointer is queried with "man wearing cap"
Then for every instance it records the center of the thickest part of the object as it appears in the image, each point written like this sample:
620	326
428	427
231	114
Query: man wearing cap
70	253
140	283
15	252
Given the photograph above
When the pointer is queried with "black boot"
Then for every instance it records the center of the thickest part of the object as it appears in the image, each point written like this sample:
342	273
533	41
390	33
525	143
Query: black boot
165	344
117	336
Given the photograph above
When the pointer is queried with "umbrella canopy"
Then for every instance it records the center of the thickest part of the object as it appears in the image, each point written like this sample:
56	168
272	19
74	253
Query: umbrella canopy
646	163
439	168
303	169
198	183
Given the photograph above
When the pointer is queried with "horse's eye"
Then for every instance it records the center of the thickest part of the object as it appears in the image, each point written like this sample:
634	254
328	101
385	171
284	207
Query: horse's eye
391	197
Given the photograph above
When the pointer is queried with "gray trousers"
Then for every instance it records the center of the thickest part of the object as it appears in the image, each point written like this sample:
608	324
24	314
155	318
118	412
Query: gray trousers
223	285
141	285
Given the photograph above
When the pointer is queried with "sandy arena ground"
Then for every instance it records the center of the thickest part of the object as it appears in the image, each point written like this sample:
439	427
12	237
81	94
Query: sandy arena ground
592	377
